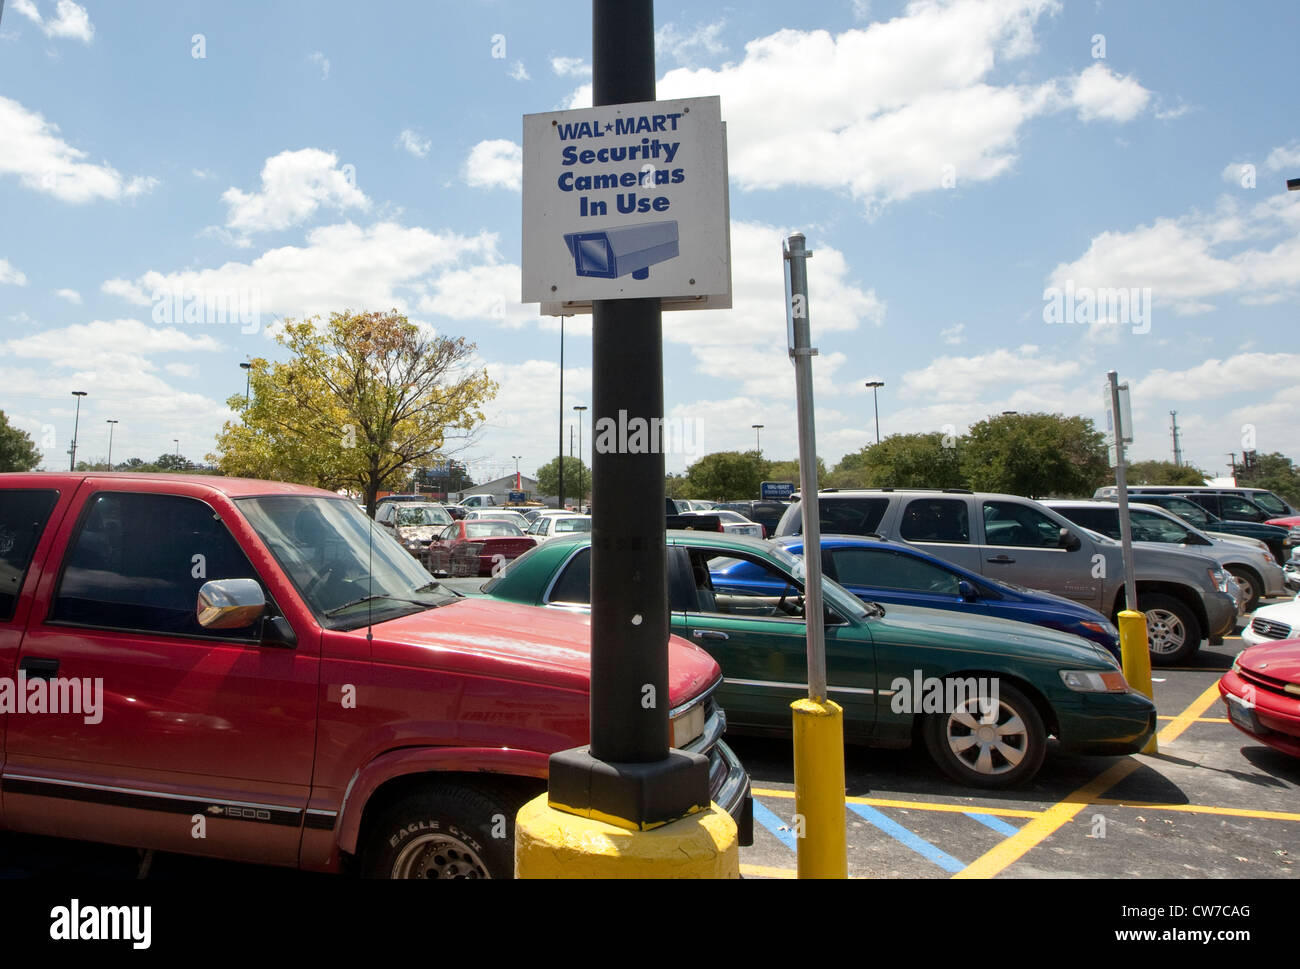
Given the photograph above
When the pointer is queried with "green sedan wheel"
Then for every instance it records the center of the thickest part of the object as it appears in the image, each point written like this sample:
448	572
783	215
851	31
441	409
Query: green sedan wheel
981	748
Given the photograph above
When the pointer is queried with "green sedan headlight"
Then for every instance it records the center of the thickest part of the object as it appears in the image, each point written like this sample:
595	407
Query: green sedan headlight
1094	681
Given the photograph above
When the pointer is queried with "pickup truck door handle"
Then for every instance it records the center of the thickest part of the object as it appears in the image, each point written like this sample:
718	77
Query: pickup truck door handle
1001	560
39	668
708	634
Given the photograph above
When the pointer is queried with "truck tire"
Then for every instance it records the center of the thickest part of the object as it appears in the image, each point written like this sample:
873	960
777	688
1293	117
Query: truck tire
1252	581
1173	632
1007	753
442	832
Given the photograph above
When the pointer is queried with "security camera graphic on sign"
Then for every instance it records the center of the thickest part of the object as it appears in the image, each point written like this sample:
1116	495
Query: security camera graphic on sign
619	250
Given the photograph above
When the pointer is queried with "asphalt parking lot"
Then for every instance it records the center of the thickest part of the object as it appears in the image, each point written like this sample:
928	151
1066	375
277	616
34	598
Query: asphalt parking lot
1211	804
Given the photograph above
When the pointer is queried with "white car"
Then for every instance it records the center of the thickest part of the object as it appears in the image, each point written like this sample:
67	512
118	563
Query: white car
733	522
1272	623
497	514
548	526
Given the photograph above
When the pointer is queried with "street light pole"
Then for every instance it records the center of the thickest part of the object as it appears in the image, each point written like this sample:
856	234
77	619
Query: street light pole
177	442
248	373
758	440
110	424
582	482
76	424
874	385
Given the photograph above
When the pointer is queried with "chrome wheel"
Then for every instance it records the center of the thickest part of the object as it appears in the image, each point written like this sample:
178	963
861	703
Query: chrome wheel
987	745
439	855
1166	632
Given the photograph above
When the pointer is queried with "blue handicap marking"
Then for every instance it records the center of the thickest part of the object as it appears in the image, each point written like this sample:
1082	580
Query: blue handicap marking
914	841
994	822
764	816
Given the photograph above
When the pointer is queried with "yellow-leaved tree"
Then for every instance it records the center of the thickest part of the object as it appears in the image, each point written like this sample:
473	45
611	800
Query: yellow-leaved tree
363	400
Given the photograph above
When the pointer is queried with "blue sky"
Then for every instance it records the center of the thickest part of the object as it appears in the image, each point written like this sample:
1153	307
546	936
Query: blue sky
953	165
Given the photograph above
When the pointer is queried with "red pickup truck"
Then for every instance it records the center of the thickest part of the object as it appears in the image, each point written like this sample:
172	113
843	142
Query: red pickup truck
254	671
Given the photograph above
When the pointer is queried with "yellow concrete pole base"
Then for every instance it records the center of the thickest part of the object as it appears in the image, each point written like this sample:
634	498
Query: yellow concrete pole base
554	844
822	848
1135	650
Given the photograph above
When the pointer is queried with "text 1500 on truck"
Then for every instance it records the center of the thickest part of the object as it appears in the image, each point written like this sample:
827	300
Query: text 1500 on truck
254	671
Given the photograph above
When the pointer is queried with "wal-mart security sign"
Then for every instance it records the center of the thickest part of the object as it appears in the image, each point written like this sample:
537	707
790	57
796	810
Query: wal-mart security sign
627	201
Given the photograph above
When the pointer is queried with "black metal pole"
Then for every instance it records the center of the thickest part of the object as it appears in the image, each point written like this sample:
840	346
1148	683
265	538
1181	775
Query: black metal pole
629	586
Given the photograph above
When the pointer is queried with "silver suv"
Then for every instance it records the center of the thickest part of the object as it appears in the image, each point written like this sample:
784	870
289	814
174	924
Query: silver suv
1017	540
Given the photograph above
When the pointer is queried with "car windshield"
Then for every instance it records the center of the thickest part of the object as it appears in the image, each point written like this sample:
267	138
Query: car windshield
422	515
347	569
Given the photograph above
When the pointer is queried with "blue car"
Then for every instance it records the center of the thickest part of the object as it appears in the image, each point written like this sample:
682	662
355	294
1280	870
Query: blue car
886	572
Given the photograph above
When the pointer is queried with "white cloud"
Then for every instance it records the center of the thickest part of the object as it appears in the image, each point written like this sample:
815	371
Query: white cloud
495	163
70	20
861	10
111	344
685	46
1183	262
343	266
953	335
412	142
1284	157
1215	377
44	162
1100	94
519	72
294	185
320	60
1234	172
570	67
10	275
71	295
969	378
188	370
202	173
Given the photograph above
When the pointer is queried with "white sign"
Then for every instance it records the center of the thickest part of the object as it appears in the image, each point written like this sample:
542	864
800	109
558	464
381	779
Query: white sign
1125	413
627	201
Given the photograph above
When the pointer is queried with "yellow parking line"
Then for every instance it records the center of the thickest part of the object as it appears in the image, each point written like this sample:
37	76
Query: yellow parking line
1201	719
1005	854
1200	809
767	871
915	805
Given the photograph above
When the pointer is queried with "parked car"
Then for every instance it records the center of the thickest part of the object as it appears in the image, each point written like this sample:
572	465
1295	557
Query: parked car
1230	507
457	512
1271	623
1034	681
1291	571
273	661
1008	538
398	499
413	524
889	572
479	501
1276	539
1270	502
767	513
547	526
1262	694
497	515
467	547
733	523
1252	565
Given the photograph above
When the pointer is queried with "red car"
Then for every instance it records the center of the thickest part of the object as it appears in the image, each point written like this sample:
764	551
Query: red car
1262	693
475	546
256	671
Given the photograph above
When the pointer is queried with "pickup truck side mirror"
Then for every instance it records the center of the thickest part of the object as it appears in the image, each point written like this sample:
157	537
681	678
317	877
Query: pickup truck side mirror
230	603
1068	540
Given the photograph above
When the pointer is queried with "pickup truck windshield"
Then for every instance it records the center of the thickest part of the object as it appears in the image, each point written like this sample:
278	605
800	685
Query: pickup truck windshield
347	569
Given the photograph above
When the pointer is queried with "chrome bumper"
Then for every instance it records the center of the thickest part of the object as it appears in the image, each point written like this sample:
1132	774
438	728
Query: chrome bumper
728	781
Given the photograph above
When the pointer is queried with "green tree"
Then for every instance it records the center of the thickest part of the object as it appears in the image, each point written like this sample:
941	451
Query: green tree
17	449
929	460
364	399
1036	455
577	479
677	486
1273	471
1164	473
726	475
789	471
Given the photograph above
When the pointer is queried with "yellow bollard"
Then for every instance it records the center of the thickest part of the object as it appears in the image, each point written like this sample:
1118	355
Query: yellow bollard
819	789
1134	649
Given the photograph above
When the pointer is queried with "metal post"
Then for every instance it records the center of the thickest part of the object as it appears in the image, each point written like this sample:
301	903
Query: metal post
802	352
72	462
758	440
584	481
1121	484
560	503
110	424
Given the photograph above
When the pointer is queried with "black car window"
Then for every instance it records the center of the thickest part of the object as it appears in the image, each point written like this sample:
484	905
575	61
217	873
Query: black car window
1239	509
138	561
887	569
1011	523
1104	520
574	584
1189	511
1156	528
23	516
763	592
848	516
935	520
1269	502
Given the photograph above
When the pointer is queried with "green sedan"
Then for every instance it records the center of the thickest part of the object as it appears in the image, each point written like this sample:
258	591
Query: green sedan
984	694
